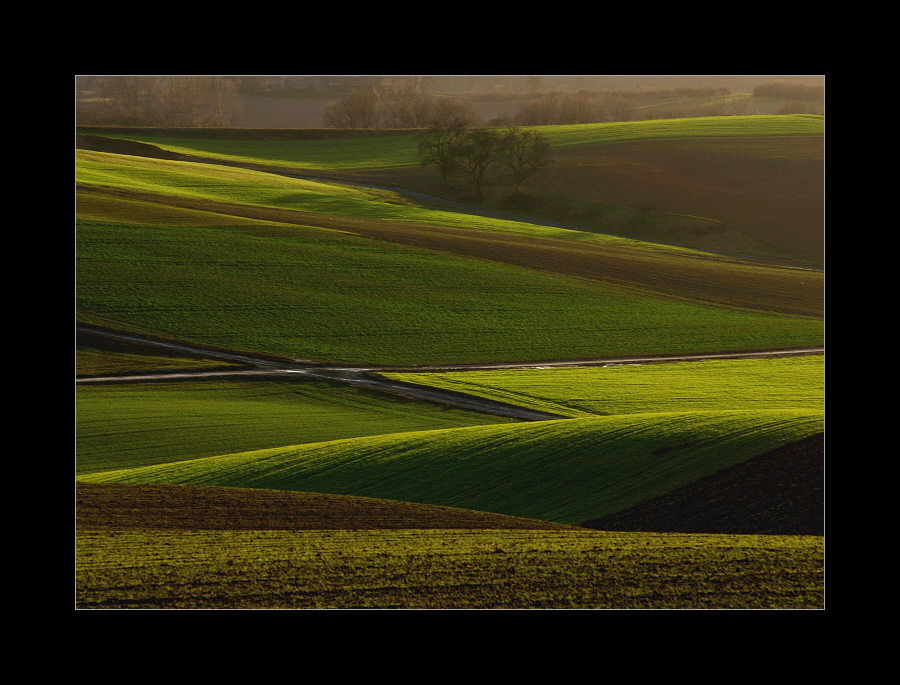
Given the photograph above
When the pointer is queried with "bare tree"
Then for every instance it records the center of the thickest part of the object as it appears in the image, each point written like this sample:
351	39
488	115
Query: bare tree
358	109
450	113
525	153
481	150
167	100
403	105
443	146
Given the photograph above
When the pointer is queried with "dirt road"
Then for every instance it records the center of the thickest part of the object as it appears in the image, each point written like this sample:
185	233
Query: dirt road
369	378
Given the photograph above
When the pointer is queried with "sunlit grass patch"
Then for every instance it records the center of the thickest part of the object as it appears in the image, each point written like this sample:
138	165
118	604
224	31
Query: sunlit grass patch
567	470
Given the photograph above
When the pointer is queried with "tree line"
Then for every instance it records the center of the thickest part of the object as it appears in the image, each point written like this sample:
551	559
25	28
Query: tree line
397	104
159	100
455	149
790	91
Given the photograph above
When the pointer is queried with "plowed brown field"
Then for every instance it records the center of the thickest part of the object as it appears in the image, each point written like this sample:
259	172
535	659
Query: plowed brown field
189	507
781	492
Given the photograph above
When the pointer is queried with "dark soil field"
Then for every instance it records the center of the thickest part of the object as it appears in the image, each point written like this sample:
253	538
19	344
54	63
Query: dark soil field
767	193
769	188
183	507
780	493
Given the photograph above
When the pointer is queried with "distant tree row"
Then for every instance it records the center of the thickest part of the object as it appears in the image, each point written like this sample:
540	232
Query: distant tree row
455	148
790	91
566	108
397	104
159	101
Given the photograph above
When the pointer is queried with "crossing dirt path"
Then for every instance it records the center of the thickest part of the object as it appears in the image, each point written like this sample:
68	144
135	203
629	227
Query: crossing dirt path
370	379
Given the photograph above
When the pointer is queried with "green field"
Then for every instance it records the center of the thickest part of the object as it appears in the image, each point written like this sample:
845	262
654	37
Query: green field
711	385
295	492
446	569
128	425
567	471
386	290
374	152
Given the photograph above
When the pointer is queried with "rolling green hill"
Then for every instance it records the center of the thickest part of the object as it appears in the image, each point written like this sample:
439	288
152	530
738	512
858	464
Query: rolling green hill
129	425
750	186
711	385
203	254
565	471
300	493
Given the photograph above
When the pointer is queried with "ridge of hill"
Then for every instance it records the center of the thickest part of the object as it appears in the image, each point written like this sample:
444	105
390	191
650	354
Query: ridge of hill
566	470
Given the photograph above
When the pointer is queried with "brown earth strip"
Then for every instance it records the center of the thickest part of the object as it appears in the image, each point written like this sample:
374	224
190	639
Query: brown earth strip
102	506
780	493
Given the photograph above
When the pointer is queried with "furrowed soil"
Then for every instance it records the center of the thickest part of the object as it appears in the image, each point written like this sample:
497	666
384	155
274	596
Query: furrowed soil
767	189
184	507
780	492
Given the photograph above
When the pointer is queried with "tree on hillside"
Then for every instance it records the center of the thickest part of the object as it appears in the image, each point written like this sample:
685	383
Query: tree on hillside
480	150
443	146
525	153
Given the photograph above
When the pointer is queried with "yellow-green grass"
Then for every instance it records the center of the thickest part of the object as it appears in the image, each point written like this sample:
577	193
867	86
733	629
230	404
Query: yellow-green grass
689	127
446	569
401	150
137	424
744	384
268	286
567	470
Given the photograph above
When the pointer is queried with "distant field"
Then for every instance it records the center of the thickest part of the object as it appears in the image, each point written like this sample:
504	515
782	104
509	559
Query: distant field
746	384
445	569
693	127
565	471
384	215
375	152
740	185
138	424
298	291
756	196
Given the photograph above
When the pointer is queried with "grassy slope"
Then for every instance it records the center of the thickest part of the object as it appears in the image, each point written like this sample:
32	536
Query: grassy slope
708	179
745	384
129	425
566	470
387	216
197	283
